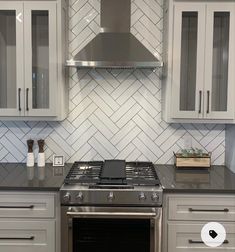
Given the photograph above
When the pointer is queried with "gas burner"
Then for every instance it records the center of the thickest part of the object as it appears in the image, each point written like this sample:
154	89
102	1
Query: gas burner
142	173
84	172
112	182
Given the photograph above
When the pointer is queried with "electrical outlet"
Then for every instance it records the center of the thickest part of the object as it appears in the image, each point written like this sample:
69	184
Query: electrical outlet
58	160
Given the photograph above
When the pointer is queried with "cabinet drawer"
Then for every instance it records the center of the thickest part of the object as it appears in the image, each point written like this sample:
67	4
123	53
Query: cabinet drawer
205	208
27	236
26	205
179	235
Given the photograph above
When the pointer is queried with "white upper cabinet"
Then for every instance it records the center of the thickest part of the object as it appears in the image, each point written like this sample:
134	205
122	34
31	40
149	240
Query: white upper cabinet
32	79
199	58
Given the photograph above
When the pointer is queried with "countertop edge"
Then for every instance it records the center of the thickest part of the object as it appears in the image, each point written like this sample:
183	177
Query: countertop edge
195	191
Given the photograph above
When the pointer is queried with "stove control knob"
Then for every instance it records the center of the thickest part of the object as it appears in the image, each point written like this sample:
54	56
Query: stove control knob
80	196
110	196
155	197
142	196
67	197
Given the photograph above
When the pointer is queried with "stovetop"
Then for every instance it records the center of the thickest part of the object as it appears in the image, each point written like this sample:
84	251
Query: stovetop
112	183
112	172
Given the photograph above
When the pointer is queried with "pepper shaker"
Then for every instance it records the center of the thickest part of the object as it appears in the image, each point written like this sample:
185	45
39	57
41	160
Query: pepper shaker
30	154
41	154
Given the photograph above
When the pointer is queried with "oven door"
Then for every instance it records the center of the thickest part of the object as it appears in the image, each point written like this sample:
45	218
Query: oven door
115	229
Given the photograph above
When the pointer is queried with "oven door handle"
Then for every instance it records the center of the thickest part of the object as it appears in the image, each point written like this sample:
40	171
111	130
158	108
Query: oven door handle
111	215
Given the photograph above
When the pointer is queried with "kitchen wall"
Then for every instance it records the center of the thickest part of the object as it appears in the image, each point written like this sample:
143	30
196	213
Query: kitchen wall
113	114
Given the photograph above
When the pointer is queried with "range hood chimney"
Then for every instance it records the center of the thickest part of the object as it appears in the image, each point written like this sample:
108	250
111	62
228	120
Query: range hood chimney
115	46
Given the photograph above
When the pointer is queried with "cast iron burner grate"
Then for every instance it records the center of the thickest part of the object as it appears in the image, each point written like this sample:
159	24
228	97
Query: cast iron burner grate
113	173
141	173
84	172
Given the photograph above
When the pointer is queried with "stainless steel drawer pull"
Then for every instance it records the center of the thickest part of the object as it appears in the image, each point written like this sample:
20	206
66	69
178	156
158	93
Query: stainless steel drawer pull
18	207
17	238
196	242
208	210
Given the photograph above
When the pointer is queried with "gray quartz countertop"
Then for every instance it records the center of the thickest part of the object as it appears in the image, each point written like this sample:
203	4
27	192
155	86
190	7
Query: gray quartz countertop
19	177
217	179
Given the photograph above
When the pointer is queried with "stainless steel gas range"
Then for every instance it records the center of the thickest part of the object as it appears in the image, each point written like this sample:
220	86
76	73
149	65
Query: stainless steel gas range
111	206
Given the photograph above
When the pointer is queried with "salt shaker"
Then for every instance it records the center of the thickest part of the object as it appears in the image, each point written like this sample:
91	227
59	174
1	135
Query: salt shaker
30	154
41	154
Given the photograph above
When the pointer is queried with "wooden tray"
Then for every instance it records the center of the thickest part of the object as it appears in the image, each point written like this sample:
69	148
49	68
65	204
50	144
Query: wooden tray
203	161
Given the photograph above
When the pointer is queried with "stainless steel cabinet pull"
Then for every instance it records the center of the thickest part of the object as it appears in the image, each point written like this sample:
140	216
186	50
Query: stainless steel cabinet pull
208	102
27	99
200	102
19	96
18	207
17	238
196	242
208	210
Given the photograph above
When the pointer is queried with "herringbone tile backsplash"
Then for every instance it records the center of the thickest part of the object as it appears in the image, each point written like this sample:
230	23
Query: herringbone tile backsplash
113	114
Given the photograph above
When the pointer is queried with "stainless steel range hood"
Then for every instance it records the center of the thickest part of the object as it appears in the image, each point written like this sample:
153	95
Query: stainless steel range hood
115	46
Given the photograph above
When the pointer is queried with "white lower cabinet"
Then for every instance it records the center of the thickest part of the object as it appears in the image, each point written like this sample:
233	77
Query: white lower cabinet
184	215
27	205
27	236
29	222
202	208
186	237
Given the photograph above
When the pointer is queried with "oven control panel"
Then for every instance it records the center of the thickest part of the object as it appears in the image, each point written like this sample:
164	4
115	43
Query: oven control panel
106	197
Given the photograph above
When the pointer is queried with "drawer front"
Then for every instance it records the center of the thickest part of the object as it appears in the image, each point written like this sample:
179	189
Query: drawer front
27	236
190	207
179	235
27	205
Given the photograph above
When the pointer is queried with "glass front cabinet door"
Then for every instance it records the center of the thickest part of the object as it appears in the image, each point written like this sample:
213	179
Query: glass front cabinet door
220	61
203	61
188	52
28	73
40	59
11	59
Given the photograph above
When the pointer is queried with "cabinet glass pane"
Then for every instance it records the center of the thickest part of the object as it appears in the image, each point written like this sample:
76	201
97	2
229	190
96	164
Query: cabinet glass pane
188	61
8	59
220	61
40	59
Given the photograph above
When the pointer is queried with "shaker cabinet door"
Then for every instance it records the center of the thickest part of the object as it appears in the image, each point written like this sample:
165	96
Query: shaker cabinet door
186	237
220	61
40	59
11	59
27	236
188	60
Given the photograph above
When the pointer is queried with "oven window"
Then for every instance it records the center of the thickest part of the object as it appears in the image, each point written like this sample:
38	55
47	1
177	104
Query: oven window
116	235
